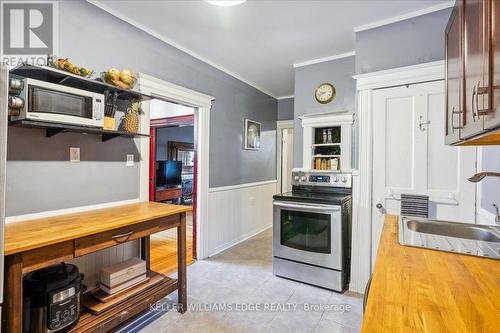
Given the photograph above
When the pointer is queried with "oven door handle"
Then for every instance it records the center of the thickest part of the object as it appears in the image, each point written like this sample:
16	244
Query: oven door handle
308	206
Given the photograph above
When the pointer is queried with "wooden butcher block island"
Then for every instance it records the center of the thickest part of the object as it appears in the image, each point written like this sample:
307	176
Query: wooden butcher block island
421	290
34	244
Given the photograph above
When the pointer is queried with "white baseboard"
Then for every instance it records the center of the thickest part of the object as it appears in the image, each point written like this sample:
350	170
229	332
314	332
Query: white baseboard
237	241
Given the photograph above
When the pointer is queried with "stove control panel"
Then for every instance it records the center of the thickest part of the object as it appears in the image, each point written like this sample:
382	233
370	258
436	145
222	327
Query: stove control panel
334	179
319	179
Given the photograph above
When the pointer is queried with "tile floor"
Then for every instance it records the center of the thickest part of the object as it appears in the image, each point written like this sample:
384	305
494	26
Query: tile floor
242	276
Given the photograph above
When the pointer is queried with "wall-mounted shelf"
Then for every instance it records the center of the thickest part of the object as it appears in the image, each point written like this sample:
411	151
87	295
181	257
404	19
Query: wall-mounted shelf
52	75
52	129
326	144
319	155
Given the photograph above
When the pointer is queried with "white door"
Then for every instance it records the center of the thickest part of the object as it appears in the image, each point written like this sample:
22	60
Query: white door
286	159
410	156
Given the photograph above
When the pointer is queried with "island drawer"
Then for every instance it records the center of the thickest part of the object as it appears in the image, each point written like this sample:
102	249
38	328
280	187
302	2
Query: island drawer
92	243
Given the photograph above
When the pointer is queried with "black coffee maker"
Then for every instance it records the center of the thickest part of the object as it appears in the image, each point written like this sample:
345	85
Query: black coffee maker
52	299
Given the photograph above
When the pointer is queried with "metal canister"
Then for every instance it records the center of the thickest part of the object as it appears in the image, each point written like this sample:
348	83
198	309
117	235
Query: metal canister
15	86
16	102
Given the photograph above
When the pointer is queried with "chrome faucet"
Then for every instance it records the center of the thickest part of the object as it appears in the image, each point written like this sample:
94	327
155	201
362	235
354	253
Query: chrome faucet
479	176
497	216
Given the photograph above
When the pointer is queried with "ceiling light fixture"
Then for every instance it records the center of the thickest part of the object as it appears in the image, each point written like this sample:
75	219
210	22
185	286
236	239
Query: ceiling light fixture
225	3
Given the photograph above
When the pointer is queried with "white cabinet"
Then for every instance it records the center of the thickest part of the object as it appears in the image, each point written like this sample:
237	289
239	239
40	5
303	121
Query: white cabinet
327	141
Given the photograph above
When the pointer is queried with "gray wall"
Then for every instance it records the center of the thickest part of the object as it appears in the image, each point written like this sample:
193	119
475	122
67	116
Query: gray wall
285	108
490	186
40	178
338	72
164	135
95	39
409	42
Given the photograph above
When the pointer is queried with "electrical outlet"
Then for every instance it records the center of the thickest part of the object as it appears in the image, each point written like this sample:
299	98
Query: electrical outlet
130	159
74	154
252	201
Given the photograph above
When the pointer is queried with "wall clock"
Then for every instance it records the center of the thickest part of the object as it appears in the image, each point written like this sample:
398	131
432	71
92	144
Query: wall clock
325	93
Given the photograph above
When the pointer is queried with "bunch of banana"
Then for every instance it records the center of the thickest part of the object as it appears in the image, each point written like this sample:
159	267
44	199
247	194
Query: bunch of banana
64	64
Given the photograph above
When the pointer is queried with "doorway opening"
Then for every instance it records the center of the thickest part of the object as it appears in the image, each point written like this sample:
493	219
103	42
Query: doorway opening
172	177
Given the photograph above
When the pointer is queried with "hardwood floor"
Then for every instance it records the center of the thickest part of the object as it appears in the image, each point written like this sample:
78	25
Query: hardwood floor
164	248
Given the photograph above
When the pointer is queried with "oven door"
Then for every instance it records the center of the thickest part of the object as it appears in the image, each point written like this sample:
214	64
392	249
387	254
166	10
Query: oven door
308	233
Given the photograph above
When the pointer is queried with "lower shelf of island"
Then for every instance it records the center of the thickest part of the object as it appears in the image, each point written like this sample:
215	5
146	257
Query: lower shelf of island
128	304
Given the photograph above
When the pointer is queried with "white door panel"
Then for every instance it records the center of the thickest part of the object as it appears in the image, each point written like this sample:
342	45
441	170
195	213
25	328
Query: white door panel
410	156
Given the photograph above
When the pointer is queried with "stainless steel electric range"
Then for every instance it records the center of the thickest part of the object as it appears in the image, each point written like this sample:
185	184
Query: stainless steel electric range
312	229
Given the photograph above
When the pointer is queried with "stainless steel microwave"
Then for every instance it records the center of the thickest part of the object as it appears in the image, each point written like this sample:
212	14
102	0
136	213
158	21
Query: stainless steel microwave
43	101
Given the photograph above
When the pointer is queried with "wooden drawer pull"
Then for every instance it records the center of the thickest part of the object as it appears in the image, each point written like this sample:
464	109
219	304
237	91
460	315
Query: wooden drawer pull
117	237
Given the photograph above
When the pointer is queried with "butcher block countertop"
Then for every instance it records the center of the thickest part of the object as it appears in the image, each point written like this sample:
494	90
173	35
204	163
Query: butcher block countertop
420	290
31	234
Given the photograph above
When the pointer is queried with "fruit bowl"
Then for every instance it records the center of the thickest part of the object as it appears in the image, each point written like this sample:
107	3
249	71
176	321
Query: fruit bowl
124	79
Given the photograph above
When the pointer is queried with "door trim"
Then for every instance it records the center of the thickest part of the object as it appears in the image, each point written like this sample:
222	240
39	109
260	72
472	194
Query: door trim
170	92
280	126
361	268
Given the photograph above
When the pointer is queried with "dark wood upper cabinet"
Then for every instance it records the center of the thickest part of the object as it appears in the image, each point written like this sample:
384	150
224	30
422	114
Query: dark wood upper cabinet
476	65
492	118
454	76
472	41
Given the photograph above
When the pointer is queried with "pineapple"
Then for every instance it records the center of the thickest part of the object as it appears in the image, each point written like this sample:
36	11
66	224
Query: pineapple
131	119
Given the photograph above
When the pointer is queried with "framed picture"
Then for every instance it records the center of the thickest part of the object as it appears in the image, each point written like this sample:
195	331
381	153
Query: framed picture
252	135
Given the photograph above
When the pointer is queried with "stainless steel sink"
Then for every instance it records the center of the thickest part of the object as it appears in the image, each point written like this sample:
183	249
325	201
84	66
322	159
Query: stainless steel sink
472	239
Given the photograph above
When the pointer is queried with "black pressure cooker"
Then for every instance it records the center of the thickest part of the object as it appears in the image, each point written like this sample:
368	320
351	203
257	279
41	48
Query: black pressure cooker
52	299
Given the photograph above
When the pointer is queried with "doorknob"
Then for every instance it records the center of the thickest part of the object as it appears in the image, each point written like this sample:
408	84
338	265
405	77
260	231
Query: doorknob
381	208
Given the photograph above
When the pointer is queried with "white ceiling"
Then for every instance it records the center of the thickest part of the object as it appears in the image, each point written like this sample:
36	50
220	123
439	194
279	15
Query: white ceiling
259	41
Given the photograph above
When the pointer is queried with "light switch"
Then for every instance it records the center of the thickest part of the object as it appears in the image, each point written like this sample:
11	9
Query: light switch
130	159
74	154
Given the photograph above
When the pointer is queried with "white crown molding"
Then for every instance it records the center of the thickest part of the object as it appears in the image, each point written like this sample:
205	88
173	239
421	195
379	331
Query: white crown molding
327	119
104	7
406	16
286	97
319	60
430	71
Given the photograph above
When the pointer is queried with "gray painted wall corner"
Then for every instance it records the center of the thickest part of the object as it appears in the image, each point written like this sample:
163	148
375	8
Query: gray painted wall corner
285	108
405	43
338	72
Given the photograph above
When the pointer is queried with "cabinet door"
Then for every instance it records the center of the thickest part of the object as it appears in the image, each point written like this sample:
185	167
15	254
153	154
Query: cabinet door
476	65
454	76
492	119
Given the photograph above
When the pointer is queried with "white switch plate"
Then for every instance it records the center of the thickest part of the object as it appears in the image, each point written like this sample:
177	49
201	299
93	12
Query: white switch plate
74	154
130	159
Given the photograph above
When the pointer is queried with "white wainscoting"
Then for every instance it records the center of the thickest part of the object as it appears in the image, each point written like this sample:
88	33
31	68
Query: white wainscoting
91	264
236	213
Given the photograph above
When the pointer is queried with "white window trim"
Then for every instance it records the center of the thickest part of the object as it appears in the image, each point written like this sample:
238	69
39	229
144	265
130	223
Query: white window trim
171	92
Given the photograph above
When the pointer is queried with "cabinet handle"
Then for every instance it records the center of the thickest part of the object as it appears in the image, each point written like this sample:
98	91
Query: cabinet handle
453	113
127	235
472	103
367	291
480	91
